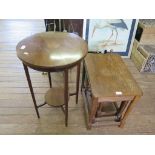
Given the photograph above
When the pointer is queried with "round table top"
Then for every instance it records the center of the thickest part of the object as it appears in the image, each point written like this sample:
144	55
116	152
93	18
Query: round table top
51	50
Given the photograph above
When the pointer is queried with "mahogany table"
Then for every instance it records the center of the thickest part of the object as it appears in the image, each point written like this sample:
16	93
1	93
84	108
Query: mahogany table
53	52
106	79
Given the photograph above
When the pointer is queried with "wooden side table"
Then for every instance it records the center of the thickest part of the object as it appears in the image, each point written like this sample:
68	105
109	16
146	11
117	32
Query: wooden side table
53	52
106	79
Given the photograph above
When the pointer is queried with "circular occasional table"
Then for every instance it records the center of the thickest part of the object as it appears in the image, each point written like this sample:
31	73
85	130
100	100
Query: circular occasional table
53	52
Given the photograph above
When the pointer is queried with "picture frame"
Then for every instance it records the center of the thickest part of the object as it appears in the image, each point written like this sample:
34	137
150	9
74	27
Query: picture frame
114	35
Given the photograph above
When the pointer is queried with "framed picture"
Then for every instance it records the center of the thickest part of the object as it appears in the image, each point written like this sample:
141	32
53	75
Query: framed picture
114	35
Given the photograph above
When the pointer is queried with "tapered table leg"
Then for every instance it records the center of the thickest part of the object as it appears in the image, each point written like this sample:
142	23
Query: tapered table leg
130	107
93	111
31	89
50	81
121	110
66	95
77	81
83	76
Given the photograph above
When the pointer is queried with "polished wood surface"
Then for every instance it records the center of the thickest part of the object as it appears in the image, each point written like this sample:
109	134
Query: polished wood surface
109	76
55	96
17	114
51	50
108	79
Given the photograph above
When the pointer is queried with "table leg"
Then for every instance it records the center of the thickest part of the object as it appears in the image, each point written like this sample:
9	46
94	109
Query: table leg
83	76
31	89
93	111
66	95
121	110
129	108
77	81
50	81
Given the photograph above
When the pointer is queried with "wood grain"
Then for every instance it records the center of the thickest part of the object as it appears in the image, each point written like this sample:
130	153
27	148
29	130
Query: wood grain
51	50
17	114
108	74
55	97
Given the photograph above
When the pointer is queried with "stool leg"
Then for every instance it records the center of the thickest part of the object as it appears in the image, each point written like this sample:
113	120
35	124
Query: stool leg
50	81
77	81
31	89
66	95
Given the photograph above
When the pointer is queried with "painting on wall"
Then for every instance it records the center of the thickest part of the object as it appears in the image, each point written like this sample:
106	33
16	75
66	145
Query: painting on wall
114	35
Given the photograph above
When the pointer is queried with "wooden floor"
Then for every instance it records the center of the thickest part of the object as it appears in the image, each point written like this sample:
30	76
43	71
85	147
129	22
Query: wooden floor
17	114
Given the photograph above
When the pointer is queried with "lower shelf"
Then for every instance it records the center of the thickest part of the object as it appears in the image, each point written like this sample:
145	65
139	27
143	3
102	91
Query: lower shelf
55	97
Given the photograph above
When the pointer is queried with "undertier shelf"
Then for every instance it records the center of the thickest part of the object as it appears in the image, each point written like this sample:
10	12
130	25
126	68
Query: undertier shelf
55	97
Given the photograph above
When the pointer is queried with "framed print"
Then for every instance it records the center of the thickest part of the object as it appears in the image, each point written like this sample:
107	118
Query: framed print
111	35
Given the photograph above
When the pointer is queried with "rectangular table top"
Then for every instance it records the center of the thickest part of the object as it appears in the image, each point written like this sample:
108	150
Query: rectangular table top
110	77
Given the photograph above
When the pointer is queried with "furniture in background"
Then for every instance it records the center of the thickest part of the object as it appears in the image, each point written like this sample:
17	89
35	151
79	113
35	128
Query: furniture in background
143	51
138	56
53	25
65	25
145	33
143	57
107	81
53	52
